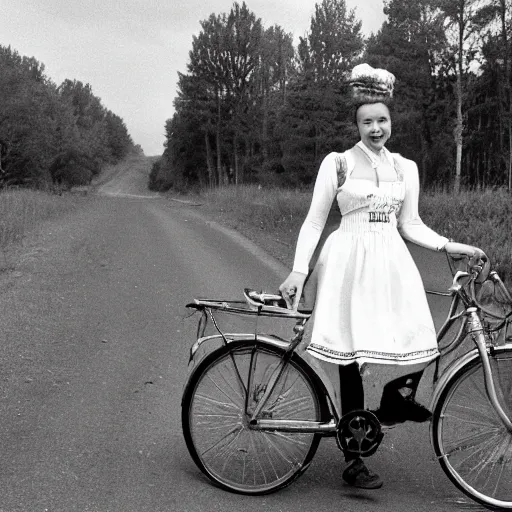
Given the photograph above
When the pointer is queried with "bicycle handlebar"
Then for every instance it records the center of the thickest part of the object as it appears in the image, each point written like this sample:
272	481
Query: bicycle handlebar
464	285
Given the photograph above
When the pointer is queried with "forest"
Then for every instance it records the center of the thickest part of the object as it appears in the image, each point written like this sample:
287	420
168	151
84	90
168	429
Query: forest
53	134
256	107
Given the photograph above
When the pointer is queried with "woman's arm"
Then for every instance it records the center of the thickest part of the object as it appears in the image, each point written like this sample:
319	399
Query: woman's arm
410	225
412	228
323	195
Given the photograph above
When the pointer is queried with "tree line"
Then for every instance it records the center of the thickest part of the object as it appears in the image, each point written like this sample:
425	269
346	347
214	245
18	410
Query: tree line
53	133
253	107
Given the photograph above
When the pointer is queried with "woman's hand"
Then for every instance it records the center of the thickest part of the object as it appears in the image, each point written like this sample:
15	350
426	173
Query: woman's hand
291	289
476	256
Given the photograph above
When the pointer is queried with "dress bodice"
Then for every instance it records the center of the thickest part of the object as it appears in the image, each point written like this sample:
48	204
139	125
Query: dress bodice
389	201
382	199
356	195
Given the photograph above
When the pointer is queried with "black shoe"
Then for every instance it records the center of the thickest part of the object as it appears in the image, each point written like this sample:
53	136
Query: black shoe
400	410
358	475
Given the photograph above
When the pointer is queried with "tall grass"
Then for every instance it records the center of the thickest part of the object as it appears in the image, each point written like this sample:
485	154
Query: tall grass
269	209
22	210
481	218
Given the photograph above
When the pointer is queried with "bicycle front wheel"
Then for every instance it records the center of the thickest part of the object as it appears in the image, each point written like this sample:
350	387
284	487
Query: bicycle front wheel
471	442
230	382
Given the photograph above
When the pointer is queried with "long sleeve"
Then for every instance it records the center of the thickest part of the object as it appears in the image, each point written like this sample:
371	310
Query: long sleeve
410	225
323	195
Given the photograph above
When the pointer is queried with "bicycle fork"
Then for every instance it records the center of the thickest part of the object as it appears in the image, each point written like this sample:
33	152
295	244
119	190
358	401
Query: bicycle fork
475	329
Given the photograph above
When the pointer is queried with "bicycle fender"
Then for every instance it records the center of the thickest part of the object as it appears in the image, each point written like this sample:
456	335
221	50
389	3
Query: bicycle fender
455	366
217	339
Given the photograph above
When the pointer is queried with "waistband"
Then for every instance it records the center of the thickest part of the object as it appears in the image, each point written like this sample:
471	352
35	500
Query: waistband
365	221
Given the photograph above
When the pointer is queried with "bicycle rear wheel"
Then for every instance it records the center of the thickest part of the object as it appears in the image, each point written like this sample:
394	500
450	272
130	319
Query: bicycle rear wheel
472	444
215	425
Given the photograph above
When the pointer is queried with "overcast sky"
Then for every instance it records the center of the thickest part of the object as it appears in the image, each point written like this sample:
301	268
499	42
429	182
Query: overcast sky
130	51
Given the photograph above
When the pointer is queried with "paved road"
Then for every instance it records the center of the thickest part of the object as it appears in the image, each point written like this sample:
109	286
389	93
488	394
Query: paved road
93	356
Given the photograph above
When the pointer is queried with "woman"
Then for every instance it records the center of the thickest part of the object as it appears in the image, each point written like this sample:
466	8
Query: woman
370	303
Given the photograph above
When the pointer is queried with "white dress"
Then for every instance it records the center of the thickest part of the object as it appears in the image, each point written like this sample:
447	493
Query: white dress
370	303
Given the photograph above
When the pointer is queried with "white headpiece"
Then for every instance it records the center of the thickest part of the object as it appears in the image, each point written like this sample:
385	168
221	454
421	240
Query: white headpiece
371	84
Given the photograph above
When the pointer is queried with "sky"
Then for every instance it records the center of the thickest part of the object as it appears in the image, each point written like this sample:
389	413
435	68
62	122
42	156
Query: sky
130	51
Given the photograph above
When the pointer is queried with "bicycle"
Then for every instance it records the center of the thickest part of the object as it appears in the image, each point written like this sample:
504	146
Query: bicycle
254	410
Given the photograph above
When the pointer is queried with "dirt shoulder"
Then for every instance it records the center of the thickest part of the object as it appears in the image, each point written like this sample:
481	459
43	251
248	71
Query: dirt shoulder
41	272
279	244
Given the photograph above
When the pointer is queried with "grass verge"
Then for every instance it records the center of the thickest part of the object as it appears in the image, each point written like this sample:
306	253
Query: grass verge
272	218
24	209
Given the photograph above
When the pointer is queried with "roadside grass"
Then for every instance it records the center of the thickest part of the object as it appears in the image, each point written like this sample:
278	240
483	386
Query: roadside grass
480	218
22	210
263	208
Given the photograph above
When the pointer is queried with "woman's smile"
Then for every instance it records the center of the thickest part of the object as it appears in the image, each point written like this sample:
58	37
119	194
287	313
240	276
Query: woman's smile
374	125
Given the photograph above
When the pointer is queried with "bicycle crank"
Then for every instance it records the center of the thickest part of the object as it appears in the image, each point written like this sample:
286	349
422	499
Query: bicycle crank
359	432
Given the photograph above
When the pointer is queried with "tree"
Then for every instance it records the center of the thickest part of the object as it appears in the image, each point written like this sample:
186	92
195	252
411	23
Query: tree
32	120
335	41
464	22
40	121
409	45
501	10
272	76
316	118
224	57
236	80
118	141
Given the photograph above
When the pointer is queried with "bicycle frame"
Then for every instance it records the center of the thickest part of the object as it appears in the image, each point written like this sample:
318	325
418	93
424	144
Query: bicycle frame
472	325
256	423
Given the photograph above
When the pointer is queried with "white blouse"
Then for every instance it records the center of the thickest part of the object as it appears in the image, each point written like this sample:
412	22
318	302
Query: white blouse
410	225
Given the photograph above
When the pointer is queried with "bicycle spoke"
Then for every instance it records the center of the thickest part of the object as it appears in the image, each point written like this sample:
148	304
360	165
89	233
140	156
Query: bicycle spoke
464	421
227	454
218	403
479	387
217	443
503	466
488	464
293	409
223	391
483	459
291	443
463	442
256	454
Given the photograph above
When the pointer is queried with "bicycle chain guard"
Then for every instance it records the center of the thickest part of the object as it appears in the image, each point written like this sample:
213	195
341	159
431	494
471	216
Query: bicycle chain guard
359	432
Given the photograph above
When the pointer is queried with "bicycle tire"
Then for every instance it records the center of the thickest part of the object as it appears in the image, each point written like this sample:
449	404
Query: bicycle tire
473	446
215	428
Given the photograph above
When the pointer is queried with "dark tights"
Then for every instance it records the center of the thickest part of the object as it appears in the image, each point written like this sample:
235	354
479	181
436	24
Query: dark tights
352	391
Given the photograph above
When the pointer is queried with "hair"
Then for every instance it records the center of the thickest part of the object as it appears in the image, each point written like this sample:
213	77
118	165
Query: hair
370	86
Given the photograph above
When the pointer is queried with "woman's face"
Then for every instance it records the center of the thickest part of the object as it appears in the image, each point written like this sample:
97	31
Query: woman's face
374	125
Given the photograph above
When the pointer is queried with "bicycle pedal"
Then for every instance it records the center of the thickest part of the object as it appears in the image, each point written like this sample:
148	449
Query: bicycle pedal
385	428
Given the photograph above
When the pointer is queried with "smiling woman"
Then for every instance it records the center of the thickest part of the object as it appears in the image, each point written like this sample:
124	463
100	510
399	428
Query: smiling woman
370	304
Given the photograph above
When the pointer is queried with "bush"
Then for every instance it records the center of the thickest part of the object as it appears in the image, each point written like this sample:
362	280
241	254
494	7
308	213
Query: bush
159	179
73	168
